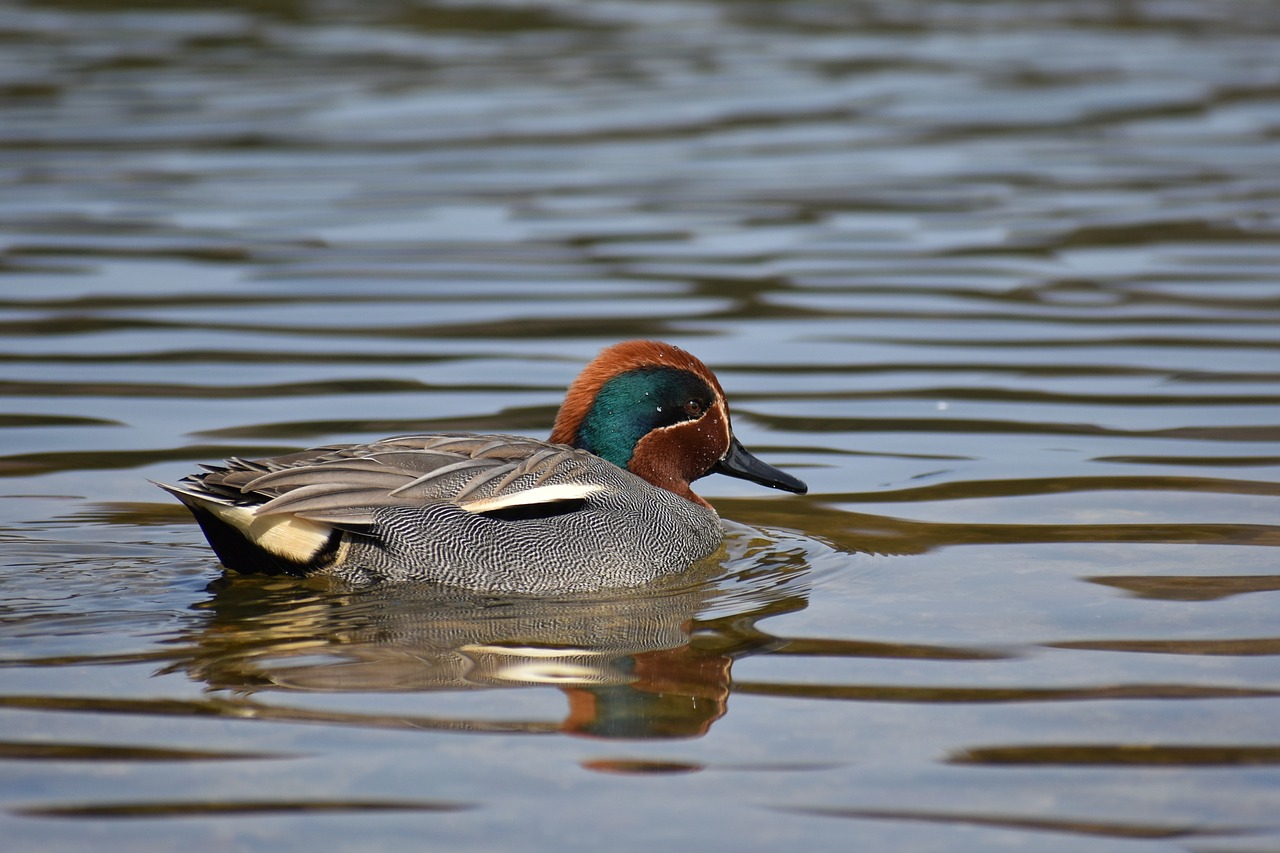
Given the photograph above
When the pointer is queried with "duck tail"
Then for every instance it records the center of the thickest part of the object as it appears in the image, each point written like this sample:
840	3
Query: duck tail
250	544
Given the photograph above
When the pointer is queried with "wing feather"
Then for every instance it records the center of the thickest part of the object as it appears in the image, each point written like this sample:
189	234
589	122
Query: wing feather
344	485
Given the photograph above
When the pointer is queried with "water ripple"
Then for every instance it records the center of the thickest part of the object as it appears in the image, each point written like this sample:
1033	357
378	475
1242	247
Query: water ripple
997	279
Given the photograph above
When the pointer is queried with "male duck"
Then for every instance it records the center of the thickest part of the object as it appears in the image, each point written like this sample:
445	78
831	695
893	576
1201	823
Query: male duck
605	503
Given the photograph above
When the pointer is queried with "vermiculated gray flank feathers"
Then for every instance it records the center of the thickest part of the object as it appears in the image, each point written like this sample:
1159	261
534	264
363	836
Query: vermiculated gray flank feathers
503	513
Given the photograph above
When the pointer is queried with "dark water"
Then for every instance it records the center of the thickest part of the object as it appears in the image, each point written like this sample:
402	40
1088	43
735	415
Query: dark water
1000	280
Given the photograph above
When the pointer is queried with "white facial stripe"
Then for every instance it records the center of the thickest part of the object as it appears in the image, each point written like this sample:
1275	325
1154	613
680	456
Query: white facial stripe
727	438
728	431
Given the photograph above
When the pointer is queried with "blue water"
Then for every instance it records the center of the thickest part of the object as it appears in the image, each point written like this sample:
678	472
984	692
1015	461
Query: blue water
998	280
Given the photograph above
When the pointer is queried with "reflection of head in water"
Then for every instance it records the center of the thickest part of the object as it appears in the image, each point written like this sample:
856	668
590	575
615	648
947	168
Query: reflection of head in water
648	662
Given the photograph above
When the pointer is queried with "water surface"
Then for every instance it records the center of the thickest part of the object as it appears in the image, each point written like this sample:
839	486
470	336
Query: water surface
998	280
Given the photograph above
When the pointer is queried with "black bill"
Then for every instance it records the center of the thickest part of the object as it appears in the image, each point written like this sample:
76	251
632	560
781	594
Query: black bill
738	462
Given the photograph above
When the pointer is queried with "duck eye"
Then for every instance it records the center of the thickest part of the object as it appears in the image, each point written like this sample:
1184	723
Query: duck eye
693	408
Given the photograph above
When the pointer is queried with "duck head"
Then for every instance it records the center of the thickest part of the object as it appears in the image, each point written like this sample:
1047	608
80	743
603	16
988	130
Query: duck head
660	413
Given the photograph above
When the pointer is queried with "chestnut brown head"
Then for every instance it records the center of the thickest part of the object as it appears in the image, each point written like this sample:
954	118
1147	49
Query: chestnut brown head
660	413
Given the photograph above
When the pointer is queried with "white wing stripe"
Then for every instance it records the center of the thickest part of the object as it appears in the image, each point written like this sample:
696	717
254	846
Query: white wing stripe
540	495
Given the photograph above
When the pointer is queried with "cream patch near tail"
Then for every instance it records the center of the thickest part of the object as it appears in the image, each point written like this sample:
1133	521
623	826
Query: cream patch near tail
286	536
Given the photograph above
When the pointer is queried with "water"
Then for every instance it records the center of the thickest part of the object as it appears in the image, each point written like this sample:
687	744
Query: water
999	280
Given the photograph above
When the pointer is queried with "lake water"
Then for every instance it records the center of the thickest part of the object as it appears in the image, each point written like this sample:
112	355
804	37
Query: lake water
999	280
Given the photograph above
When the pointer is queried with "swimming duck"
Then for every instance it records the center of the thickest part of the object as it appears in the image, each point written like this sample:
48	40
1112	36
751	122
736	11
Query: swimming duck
605	503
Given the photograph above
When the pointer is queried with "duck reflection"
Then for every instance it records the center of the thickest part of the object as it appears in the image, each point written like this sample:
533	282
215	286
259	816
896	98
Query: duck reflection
652	662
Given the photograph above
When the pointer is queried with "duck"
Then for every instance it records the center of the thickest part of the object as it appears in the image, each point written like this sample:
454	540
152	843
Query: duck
605	502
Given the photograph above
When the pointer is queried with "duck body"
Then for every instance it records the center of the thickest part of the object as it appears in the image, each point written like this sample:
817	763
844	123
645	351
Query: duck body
492	512
605	503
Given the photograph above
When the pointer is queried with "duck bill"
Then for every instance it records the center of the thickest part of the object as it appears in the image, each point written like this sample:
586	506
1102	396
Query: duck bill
738	462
